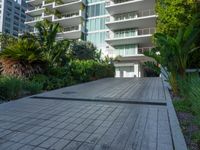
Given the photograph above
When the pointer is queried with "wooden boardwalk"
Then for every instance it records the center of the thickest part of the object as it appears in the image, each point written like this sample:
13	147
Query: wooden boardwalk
108	114
134	89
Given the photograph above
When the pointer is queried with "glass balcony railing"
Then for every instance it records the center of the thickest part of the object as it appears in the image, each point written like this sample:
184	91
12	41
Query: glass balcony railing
68	29
35	8
33	19
118	2
130	15
65	16
146	31
141	50
120	34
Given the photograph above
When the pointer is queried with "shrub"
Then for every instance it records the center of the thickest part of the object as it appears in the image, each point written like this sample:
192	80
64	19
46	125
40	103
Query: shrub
190	91
31	87
83	50
40	78
88	70
194	94
10	88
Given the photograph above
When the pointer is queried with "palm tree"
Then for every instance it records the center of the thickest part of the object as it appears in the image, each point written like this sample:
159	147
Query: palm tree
53	50
173	52
23	58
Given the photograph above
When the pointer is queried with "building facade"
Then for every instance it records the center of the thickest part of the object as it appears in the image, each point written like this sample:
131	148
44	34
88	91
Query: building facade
120	28
131	25
12	16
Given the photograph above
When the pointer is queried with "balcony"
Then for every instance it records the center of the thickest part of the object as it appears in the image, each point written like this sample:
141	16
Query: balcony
72	19
122	6
141	50
34	2
47	16
70	33
68	7
141	36
31	31
35	11
33	21
142	19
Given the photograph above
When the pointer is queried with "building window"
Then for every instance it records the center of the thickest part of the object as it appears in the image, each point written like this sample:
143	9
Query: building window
125	50
96	24
125	33
97	38
96	10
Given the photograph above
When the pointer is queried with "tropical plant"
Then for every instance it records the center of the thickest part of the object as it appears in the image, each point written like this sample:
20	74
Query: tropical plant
84	51
174	14
54	51
87	70
10	87
172	52
151	69
5	40
23	58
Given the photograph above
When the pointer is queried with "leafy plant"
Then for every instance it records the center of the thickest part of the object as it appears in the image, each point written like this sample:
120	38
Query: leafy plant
6	39
151	69
84	51
173	15
54	52
32	87
172	52
23	58
10	87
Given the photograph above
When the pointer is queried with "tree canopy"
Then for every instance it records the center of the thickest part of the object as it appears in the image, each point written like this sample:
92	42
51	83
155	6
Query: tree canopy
173	14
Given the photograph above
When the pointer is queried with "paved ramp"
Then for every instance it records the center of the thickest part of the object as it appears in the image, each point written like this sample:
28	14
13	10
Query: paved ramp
108	114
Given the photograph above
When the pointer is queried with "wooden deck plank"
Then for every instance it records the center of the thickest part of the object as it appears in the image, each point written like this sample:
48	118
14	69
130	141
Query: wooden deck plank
98	125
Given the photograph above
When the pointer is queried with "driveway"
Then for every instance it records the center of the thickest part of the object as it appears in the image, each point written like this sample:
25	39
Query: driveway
108	114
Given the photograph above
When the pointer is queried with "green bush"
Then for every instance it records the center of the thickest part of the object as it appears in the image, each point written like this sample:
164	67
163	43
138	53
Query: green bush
40	78
194	95
77	71
10	88
83	71
32	87
190	93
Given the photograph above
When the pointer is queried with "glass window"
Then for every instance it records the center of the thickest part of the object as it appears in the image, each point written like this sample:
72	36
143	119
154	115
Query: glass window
126	50
96	10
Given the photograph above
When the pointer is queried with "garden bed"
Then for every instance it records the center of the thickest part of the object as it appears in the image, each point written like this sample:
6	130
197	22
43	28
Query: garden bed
189	123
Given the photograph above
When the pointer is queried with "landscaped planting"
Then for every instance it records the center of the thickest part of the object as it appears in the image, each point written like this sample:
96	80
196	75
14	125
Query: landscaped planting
32	64
177	48
188	109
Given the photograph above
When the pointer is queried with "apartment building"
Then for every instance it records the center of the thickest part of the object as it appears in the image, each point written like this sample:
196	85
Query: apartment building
12	16
70	14
131	25
96	29
120	28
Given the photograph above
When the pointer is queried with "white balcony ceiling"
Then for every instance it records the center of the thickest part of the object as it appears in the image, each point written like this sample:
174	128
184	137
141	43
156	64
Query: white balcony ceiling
131	40
35	12
34	2
68	1
133	5
69	35
48	17
32	23
142	22
72	21
69	7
